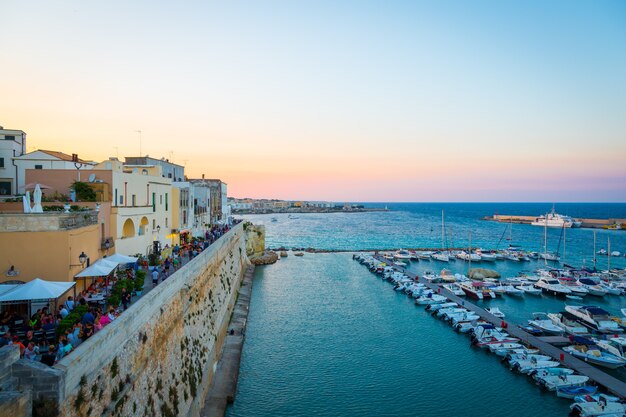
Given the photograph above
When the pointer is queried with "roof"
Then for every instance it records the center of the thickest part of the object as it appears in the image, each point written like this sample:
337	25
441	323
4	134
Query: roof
37	289
100	268
62	156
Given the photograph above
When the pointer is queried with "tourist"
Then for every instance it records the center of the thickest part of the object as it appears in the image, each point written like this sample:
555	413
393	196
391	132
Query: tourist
5	339
30	352
155	277
72	336
88	317
50	323
64	311
16	341
125	298
97	325
69	303
88	331
49	358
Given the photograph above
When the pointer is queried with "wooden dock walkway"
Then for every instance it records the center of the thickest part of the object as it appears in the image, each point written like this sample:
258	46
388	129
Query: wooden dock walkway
611	384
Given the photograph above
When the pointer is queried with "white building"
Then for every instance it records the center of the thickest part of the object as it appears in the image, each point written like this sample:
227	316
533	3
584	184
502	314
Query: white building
12	145
169	169
185	206
44	159
202	208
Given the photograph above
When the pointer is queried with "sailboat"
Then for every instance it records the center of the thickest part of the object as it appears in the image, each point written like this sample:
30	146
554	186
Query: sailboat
547	256
442	256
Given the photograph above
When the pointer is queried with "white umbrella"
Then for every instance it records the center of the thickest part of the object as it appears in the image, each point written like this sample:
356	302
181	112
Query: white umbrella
37	200
26	204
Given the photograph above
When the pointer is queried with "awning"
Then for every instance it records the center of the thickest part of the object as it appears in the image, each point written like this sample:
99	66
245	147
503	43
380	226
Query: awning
37	289
100	268
4	288
120	259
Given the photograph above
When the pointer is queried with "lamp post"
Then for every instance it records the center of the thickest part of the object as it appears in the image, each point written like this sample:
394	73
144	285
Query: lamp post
82	258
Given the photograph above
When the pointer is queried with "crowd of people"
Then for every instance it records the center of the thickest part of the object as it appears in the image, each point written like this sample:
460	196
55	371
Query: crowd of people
37	337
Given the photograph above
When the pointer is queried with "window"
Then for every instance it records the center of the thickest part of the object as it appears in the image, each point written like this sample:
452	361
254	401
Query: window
1	162
121	200
153	203
166	201
9	137
38	166
161	199
134	197
166	222
115	201
153	224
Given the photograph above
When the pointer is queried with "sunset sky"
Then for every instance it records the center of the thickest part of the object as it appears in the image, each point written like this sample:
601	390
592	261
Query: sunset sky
332	100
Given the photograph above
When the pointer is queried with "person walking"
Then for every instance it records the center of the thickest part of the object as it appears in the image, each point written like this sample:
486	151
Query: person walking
155	277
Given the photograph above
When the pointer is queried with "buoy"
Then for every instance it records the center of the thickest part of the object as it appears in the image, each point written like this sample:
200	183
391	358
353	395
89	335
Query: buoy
438	290
503	324
562	357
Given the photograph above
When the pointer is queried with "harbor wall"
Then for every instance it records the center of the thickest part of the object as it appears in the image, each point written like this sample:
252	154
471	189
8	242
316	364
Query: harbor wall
159	356
589	223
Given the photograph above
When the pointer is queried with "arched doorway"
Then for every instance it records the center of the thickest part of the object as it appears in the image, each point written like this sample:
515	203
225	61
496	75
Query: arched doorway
143	226
129	229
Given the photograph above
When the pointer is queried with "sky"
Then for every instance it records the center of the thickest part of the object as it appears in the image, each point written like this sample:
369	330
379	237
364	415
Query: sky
486	100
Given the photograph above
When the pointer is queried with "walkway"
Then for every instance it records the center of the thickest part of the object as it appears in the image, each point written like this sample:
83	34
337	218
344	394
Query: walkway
224	383
611	384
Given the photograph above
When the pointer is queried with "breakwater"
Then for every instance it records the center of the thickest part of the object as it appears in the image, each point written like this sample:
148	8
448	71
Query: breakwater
159	356
611	223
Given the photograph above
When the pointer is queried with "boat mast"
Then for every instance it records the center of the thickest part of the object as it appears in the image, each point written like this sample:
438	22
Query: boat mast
443	231
608	254
594	249
545	240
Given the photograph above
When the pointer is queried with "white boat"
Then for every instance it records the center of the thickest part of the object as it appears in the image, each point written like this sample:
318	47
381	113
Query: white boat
552	286
529	289
566	322
611	288
487	334
529	365
465	256
594	318
400	263
553	219
486	257
542	322
496	312
552	382
435	307
511	290
425	255
430	299
441	257
585	349
501	347
616	253
542	373
454	289
463	317
592	287
614	345
402	255
574	297
595	409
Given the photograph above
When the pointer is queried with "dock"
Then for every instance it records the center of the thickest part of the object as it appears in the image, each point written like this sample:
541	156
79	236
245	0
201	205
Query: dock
609	383
611	223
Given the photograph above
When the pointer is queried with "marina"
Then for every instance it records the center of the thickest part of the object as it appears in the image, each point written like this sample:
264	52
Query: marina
608	224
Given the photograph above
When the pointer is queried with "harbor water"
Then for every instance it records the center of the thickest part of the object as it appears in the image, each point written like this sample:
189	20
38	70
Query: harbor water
326	337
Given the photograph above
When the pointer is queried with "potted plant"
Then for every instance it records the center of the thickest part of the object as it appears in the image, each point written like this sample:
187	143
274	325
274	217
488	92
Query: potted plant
140	277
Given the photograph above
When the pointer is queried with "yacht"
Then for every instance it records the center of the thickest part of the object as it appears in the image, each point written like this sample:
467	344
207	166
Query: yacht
486	256
553	219
496	312
592	287
614	345
529	289
567	322
594	318
477	290
542	322
552	286
441	257
402	255
588	351
465	256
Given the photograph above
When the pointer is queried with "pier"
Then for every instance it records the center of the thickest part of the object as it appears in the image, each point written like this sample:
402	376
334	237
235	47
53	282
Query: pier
612	223
611	384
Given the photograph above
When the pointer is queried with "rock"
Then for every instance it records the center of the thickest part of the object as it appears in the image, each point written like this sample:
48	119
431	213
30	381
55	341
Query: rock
482	273
265	258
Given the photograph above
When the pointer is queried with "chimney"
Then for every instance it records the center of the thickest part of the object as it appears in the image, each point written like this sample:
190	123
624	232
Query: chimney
202	176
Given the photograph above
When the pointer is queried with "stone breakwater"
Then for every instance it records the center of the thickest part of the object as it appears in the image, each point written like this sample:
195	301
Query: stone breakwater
158	357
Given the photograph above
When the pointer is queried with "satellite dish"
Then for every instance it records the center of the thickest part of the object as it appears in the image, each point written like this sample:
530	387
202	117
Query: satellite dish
92	177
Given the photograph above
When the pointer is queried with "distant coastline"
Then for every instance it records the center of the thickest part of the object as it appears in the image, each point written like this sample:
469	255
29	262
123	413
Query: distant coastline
307	210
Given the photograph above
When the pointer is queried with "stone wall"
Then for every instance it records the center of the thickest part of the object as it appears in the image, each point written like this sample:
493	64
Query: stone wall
46	222
158	357
13	400
255	239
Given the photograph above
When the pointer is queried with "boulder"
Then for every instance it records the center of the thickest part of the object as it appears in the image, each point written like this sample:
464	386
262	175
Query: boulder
482	273
265	258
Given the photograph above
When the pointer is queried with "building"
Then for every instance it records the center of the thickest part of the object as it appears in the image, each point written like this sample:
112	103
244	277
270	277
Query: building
12	145
50	160
184	208
219	210
47	245
169	169
202	208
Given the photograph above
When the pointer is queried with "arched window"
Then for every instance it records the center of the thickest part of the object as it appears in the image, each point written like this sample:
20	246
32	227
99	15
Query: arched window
128	229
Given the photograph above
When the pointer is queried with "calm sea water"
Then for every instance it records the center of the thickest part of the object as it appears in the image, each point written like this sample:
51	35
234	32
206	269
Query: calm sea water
326	337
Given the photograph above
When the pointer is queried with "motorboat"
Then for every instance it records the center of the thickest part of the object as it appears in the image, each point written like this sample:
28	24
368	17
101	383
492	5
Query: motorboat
486	256
588	351
553	382
598	408
592	287
402	255
477	290
529	289
454	289
441	257
567	322
511	290
496	312
542	322
514	359
552	286
572	392
434	307
611	288
554	219
424	255
574	286
469	316
545	372
529	365
594	318
487	334
616	253
504	348
467	326
444	313
498	289
590	398
430	299
614	345
466	256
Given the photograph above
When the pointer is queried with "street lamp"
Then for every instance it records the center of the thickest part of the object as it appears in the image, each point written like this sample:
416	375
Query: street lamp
82	258
158	229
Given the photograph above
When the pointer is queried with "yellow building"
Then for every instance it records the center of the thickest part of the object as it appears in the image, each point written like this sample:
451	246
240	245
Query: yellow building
47	245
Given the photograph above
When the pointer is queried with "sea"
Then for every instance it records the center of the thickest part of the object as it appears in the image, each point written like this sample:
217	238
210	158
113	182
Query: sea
326	337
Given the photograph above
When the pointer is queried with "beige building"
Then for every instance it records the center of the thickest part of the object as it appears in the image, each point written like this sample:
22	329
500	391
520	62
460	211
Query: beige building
12	145
47	245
